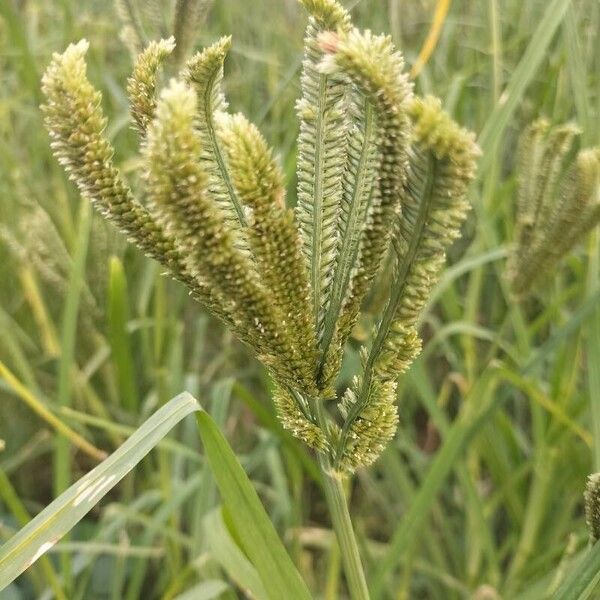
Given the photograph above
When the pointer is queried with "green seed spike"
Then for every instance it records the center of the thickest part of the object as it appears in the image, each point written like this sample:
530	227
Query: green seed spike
530	157
74	118
442	164
215	214
372	429
178	190
204	72
558	203
375	69
560	139
295	418
581	191
327	14
321	154
273	235
592	506
141	86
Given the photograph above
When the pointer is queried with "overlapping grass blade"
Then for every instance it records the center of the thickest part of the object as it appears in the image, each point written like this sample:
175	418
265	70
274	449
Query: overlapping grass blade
258	536
526	69
207	590
118	316
232	560
261	542
69	508
579	584
456	439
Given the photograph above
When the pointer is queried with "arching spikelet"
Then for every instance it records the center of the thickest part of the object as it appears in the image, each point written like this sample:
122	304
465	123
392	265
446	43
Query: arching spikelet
204	72
378	142
141	86
273	236
580	194
542	151
295	418
592	506
327	14
74	118
321	154
556	206
177	186
559	143
373	427
442	164
531	152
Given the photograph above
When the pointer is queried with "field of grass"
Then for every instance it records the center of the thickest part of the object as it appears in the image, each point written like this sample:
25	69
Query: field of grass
479	496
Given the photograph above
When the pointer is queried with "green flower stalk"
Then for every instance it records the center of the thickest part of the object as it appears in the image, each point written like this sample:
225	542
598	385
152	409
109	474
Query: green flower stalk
382	178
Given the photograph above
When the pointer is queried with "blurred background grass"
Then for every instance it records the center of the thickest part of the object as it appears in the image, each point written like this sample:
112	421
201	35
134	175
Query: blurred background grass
498	417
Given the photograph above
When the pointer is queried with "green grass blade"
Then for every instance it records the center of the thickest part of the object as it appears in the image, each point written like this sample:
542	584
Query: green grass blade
70	317
475	413
232	560
9	495
578	75
207	590
452	273
118	316
578	585
258	536
534	54
69	508
62	467
17	34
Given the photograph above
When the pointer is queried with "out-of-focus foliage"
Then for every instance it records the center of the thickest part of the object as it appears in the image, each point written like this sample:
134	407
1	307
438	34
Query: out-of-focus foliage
501	515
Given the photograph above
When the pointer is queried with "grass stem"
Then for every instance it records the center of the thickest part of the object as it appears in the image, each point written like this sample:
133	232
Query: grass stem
340	516
337	504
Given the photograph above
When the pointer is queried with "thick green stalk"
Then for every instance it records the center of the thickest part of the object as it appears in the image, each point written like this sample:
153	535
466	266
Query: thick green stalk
342	523
338	508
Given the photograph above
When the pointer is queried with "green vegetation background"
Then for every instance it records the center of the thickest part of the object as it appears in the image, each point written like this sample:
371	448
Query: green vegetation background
503	402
